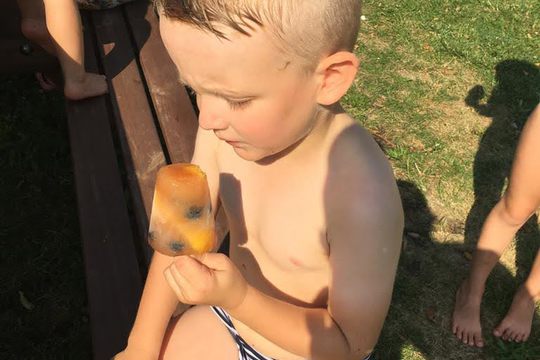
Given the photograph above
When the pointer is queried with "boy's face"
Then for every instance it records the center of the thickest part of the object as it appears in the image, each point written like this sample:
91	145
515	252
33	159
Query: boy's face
248	92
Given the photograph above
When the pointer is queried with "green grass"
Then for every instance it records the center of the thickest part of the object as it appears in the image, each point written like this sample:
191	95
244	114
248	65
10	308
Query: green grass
43	299
446	87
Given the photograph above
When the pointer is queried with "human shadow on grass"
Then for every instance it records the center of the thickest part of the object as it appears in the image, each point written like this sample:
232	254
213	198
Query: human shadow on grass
515	95
513	98
429	273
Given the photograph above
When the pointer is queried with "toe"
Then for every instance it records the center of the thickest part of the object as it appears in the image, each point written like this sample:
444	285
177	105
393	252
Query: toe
478	341
464	338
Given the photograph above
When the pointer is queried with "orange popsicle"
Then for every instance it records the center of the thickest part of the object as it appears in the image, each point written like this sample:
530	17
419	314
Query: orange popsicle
181	222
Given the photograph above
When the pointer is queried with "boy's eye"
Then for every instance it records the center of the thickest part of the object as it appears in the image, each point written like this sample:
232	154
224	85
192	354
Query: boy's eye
233	104
236	105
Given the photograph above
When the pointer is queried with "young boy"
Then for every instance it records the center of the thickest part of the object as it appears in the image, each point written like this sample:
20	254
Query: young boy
313	209
55	25
518	204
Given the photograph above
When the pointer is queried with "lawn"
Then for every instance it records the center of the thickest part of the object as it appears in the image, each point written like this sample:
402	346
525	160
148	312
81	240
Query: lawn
444	86
42	290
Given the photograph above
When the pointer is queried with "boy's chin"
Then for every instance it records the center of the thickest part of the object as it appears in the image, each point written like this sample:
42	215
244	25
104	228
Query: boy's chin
260	156
249	154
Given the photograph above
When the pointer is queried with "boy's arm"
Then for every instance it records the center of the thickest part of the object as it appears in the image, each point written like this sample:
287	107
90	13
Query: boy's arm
365	234
365	225
157	305
158	302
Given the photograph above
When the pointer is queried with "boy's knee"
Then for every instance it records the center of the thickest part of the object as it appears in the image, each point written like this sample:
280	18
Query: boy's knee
198	334
34	30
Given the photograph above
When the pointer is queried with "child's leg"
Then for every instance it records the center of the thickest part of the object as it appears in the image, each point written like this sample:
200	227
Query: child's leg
524	192
64	25
519	202
491	244
198	335
516	325
33	24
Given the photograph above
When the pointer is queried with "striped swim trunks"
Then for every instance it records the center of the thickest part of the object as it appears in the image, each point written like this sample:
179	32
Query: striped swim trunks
245	351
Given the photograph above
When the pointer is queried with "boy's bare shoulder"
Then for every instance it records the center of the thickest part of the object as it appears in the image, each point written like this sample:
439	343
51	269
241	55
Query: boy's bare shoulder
355	157
360	181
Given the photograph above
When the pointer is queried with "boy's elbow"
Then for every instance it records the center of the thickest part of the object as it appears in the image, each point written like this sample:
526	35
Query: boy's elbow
344	348
361	351
357	349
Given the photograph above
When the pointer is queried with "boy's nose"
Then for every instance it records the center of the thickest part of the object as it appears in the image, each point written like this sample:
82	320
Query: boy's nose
211	121
210	118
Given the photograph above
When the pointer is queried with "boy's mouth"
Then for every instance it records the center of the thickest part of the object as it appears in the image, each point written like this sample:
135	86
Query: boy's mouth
231	142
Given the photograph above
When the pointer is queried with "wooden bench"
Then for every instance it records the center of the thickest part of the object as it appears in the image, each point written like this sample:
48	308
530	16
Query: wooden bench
118	143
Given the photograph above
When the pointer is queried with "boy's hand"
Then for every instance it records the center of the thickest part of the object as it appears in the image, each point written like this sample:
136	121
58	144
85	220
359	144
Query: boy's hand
209	279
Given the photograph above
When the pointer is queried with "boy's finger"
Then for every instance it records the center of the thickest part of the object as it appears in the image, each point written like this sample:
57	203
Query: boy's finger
180	278
215	261
172	283
192	270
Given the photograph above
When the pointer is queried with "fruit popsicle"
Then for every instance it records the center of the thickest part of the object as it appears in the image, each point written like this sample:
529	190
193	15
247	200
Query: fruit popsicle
181	221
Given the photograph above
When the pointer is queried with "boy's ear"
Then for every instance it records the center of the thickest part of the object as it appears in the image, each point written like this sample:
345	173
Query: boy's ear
337	73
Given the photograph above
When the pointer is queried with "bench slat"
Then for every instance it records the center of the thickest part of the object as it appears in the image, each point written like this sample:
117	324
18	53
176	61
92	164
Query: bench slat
141	147
113	281
173	107
174	110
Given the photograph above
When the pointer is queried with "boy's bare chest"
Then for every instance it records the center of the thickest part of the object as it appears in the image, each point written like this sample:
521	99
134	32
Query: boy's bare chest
279	218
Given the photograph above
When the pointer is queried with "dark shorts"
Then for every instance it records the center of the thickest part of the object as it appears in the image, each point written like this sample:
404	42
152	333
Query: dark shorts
100	4
245	351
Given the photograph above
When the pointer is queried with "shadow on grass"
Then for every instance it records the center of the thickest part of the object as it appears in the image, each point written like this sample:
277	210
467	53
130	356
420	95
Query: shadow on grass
43	307
419	320
514	97
429	273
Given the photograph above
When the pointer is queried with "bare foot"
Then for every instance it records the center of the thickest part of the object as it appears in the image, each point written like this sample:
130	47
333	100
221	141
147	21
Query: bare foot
466	318
516	325
91	85
36	31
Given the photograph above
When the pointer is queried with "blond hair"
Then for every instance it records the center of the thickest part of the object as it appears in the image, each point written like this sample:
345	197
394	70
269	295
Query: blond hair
307	28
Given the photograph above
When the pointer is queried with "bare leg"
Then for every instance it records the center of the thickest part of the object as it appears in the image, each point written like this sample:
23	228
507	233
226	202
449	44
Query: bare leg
519	202
64	25
198	335
33	24
516	325
493	240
